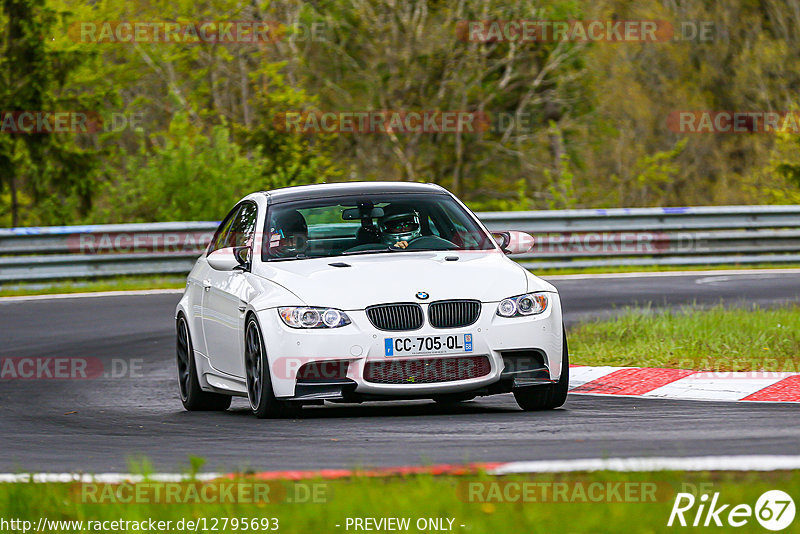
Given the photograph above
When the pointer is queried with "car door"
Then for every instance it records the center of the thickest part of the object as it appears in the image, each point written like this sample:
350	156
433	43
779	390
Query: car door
224	298
196	283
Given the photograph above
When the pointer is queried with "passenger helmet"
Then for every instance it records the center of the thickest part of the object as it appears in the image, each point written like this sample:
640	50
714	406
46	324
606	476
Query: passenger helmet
288	235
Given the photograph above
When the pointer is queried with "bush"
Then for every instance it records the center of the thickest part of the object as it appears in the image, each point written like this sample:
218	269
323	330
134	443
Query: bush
191	176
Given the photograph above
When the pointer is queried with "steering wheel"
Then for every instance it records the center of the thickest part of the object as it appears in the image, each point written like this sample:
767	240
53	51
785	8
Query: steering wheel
431	242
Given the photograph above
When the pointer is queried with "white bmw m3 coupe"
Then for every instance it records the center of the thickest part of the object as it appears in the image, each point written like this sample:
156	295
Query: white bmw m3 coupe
365	291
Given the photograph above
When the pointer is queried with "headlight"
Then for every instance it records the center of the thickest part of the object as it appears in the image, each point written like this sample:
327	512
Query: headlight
313	317
523	305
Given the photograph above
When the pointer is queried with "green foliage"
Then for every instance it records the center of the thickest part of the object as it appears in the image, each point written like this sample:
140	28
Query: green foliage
790	171
561	182
778	182
39	74
785	165
290	158
517	200
187	176
655	173
572	124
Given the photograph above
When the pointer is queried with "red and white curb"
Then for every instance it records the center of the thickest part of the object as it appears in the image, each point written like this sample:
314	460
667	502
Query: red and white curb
642	464
649	382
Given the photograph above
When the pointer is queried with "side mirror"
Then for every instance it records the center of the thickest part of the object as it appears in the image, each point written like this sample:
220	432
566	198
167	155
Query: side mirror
513	242
230	258
243	255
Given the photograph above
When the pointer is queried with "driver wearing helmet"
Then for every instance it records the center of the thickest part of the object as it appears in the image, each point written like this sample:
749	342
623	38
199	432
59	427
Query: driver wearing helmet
288	235
399	227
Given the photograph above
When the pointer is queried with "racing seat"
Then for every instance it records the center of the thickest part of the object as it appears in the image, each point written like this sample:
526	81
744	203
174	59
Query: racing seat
367	235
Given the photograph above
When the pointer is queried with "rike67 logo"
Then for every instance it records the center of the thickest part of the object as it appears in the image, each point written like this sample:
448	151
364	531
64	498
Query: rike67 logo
774	510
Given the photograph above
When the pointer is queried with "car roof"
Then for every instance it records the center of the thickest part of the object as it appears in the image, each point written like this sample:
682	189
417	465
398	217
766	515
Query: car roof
315	191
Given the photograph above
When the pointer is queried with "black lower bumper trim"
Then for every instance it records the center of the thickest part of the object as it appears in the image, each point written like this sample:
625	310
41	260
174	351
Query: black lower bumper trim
333	390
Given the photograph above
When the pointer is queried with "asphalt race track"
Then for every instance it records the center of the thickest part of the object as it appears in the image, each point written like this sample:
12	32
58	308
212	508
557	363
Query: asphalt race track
97	425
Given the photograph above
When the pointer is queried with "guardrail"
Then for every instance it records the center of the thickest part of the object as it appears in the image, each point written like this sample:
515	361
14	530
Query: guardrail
579	239
564	239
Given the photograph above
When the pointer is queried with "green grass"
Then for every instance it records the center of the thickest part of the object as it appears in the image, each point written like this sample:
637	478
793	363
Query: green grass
128	283
716	339
438	497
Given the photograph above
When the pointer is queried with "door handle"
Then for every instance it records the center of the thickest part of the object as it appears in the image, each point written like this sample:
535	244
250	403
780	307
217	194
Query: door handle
206	284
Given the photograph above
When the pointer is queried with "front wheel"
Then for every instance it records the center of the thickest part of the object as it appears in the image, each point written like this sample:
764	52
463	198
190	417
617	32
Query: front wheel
192	396
259	384
535	398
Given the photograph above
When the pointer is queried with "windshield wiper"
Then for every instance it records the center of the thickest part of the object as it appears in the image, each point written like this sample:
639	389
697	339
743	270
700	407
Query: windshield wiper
287	258
359	252
427	249
370	251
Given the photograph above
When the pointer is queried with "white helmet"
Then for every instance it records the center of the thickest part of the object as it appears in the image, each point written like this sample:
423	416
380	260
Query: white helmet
402	226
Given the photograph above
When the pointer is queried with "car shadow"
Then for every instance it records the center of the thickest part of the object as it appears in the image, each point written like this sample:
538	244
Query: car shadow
415	408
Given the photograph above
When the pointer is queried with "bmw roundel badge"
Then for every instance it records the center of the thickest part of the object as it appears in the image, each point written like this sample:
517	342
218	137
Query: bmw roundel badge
421	295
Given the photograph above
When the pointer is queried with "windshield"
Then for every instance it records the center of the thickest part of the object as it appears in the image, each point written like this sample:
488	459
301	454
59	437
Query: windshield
369	224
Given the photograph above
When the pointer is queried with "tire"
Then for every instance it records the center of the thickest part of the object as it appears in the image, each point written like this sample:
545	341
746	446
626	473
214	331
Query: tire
194	399
548	397
259	384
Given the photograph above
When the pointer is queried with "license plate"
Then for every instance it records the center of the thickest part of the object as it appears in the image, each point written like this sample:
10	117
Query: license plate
456	343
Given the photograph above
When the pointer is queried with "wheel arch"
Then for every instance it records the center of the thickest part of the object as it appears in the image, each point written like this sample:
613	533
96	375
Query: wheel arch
251	312
182	313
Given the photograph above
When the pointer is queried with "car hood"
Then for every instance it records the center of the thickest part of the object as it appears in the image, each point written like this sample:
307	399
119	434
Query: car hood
397	277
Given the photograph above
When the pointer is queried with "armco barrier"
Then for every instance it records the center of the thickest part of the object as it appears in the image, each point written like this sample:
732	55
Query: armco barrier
564	239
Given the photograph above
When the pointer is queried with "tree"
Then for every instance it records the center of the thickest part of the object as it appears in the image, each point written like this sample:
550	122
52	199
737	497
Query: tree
190	176
51	168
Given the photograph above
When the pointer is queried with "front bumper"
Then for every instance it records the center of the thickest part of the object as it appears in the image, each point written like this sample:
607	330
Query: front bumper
502	340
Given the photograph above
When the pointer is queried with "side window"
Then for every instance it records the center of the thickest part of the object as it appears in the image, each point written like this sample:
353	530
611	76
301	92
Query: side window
218	241
243	227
